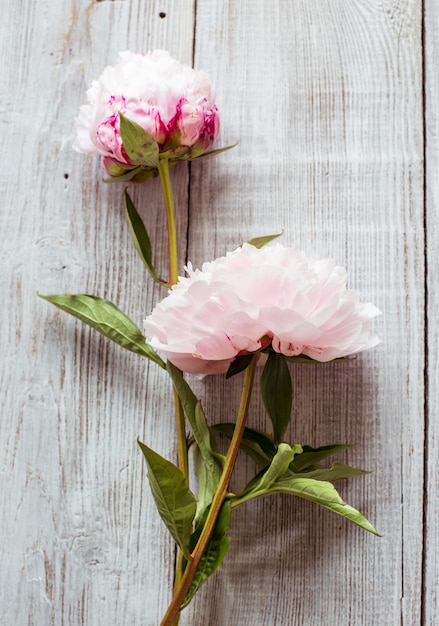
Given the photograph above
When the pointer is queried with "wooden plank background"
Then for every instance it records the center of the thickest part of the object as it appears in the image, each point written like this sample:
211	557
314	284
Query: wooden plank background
334	103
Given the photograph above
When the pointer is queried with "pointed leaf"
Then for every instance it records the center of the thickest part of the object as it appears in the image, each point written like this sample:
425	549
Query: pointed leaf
212	153
279	465
198	423
140	237
141	148
276	390
214	554
337	471
175	502
206	490
323	493
107	319
239	365
260	242
312	456
256	444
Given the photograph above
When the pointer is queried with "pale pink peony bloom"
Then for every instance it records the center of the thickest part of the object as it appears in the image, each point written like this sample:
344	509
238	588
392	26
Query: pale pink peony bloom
253	298
173	102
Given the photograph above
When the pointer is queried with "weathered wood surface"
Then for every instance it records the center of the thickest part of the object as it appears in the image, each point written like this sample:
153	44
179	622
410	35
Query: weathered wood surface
431	530
326	98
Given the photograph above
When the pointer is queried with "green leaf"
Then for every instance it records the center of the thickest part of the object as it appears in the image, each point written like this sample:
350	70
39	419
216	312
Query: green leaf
214	554
129	175
260	242
107	319
239	364
323	493
276	390
337	471
206	490
198	424
140	147
140	237
256	444
212	153
279	465
175	502
312	456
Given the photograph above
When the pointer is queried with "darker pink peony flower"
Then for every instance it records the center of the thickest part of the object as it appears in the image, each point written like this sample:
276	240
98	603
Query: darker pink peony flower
255	298
173	102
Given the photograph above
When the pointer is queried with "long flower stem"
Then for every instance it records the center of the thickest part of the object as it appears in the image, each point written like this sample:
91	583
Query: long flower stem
217	502
163	168
182	448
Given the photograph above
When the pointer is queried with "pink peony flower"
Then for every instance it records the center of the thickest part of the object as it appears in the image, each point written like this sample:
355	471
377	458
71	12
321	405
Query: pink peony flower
172	102
255	298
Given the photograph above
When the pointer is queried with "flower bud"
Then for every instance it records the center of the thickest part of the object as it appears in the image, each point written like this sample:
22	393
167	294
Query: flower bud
173	103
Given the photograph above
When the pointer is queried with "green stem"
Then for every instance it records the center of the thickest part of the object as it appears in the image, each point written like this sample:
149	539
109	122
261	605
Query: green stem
163	168
177	581
217	502
182	447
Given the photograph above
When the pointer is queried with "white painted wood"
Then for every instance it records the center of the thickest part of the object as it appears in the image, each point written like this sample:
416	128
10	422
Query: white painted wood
431	567
81	540
325	97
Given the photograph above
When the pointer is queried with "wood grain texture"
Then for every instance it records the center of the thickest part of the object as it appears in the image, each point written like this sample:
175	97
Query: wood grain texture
83	542
325	97
431	530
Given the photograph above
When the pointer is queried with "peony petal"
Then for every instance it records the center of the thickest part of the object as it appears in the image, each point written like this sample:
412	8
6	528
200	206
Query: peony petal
252	297
174	103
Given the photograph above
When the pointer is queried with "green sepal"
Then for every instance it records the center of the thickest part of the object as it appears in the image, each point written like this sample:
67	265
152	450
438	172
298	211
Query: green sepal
276	391
175	502
214	553
145	174
107	319
140	238
260	242
212	153
239	364
124	178
197	421
140	147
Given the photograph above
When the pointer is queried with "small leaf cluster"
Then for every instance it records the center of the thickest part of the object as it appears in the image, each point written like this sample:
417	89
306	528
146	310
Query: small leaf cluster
296	471
144	153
